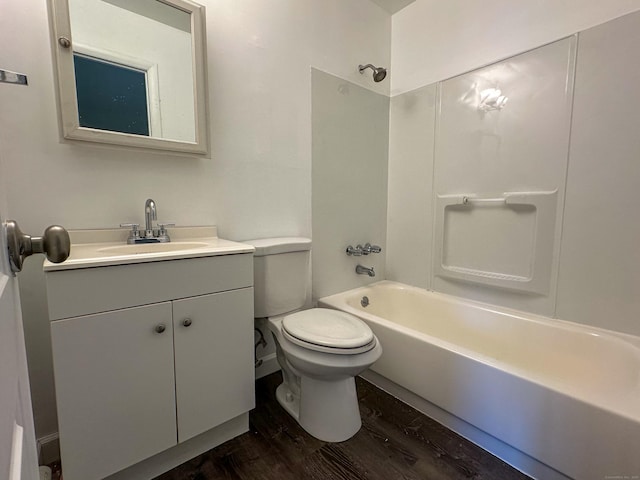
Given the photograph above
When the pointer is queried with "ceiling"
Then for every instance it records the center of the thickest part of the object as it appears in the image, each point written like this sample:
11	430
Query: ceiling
392	6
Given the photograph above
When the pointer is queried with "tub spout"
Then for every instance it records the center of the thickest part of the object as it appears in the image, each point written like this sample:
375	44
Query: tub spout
360	270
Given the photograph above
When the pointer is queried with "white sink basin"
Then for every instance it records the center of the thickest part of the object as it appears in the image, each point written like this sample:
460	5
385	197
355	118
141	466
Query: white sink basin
150	248
104	247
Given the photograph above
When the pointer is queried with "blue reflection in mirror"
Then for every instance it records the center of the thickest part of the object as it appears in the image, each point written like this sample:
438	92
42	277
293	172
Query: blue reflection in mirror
111	96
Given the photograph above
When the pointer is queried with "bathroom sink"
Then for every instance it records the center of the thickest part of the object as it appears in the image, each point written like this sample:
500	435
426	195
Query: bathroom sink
150	248
104	247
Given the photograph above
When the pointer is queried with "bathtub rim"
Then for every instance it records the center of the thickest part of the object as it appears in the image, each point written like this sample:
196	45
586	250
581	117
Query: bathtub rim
492	308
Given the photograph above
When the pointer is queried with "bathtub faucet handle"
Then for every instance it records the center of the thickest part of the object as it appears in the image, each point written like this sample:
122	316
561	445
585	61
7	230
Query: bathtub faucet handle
368	248
356	252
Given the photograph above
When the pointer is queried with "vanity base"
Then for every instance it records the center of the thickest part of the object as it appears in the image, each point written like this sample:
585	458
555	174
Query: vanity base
171	458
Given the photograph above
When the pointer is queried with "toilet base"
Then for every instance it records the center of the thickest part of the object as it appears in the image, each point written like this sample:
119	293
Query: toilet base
288	401
327	410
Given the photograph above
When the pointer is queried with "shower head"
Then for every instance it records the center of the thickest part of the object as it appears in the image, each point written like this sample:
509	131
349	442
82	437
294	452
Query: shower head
379	73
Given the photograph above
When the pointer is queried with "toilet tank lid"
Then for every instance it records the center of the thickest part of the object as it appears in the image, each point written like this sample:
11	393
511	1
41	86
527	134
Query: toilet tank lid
274	246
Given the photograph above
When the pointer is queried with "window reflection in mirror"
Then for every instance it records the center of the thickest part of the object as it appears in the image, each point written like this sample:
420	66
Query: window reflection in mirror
111	96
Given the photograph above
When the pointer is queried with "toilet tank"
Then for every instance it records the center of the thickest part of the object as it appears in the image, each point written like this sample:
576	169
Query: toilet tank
280	274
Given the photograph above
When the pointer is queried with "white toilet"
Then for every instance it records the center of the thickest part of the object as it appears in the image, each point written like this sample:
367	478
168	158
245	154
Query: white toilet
319	350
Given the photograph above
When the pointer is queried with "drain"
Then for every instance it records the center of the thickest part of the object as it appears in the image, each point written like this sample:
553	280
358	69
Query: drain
365	301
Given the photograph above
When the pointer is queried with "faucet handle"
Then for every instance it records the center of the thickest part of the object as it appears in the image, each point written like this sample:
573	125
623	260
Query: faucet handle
163	236
371	248
134	234
132	226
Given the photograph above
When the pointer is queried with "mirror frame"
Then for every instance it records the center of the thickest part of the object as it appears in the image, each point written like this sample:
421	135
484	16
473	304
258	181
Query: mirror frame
68	103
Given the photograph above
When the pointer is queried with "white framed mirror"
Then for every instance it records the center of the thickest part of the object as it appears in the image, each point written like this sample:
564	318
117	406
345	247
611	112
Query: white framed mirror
132	72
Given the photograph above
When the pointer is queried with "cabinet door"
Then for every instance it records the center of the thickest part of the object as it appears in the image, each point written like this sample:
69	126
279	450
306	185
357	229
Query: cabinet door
115	389
214	359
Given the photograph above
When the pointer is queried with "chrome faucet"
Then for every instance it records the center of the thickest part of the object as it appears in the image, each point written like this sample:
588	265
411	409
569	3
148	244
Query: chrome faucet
359	250
360	270
150	214
148	235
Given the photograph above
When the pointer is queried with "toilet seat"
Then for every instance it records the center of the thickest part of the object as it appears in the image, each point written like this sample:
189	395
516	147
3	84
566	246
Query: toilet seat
329	331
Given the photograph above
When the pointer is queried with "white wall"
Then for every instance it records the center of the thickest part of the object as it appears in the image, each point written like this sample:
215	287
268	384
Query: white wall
409	224
257	182
435	40
599	279
521	148
595	256
350	135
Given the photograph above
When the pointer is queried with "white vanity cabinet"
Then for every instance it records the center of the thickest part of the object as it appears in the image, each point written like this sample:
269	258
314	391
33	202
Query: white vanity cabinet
214	381
149	356
114	389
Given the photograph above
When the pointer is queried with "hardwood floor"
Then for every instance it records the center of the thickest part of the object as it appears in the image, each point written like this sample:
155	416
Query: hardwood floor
395	442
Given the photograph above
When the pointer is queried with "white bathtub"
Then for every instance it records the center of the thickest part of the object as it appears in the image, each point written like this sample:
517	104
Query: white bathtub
565	394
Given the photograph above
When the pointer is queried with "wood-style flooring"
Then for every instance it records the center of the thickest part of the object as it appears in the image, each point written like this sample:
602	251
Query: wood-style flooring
395	442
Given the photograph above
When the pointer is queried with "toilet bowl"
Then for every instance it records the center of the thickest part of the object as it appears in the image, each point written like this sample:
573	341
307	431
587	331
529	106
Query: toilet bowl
320	352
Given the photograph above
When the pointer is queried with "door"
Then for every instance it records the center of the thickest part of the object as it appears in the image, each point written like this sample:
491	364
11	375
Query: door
213	342
18	457
115	389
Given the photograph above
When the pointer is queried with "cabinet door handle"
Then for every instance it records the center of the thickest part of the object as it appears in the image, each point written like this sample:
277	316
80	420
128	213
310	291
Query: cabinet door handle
161	327
187	322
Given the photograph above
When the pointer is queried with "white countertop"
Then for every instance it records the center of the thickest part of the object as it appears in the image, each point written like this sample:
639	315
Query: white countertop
104	247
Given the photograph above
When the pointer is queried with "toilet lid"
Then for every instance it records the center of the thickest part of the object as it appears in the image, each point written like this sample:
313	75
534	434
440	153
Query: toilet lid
328	328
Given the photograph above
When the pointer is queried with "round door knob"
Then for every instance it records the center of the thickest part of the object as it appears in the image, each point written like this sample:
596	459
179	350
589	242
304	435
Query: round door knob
187	322
161	328
54	243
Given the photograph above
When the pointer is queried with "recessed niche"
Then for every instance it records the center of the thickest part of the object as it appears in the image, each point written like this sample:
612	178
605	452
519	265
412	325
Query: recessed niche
504	242
490	238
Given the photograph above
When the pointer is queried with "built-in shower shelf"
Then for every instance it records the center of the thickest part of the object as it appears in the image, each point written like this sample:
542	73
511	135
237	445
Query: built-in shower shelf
482	273
503	241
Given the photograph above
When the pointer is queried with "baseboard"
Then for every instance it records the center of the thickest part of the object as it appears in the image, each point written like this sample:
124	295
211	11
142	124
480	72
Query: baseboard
505	452
49	449
268	366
